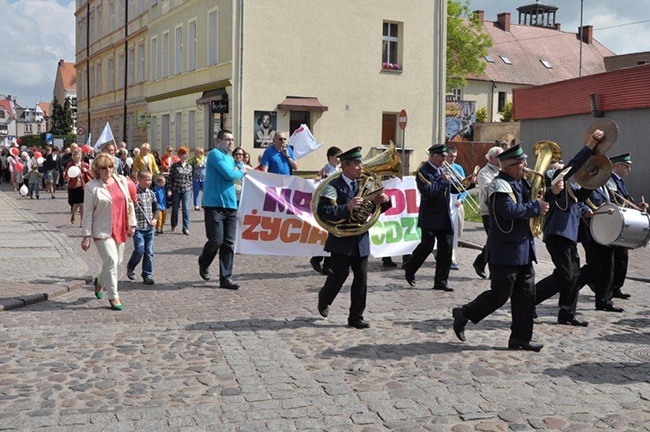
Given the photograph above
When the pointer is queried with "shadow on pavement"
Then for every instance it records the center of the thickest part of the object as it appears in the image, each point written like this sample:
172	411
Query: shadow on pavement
260	324
401	351
621	373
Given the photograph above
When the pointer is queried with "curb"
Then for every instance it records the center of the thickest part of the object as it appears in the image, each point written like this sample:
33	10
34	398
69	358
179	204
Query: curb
7	304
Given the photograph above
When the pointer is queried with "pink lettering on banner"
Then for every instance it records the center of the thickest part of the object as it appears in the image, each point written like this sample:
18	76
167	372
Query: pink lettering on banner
293	202
402	200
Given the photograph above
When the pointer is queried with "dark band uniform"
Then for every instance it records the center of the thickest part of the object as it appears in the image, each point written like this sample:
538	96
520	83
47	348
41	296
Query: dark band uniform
560	230
510	253
434	220
346	252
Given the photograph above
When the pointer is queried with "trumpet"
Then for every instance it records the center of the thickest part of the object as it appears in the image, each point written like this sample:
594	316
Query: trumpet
463	183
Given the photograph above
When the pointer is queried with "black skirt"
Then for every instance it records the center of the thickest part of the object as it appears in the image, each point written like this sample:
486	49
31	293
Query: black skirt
76	196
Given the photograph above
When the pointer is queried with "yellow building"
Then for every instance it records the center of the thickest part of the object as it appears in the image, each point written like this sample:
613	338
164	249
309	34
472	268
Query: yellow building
344	68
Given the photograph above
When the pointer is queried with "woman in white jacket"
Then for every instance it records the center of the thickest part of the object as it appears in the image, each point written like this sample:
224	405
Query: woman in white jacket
109	218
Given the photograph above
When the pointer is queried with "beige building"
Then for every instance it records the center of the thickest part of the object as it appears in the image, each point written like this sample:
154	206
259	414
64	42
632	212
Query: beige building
345	69
65	88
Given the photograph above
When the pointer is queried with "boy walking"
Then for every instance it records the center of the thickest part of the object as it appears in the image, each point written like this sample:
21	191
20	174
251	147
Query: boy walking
161	198
146	210
33	178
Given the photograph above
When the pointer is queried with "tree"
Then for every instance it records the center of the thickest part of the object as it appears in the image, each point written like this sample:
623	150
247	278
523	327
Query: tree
467	43
481	115
61	118
506	114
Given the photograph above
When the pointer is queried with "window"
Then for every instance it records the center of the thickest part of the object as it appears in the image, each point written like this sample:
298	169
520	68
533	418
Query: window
458	93
502	101
141	61
213	39
131	61
178	44
100	23
191	129
152	128
297	118
99	78
390	46
388	128
164	135
505	59
132	11
121	13
111	75
165	55
111	16
178	124
547	64
191	40
92	26
120	70
488	58
153	53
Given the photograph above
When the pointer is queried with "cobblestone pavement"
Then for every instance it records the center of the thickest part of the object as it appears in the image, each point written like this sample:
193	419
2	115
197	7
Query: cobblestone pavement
185	355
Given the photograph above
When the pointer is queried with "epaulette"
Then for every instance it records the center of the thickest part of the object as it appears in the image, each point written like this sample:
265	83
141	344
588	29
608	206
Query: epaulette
500	185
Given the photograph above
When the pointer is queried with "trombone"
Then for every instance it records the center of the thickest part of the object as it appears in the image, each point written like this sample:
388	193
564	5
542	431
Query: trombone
462	183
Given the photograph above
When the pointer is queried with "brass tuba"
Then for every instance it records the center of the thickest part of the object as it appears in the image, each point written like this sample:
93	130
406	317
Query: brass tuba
362	219
546	152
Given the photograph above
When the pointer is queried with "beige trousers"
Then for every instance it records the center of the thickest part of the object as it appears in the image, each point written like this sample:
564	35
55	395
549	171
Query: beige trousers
111	255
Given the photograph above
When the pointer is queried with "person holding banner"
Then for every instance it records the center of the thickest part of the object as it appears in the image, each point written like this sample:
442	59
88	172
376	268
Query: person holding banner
336	203
220	210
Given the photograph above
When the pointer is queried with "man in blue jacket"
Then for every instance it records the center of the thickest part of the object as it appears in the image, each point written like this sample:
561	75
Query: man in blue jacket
220	209
510	254
337	202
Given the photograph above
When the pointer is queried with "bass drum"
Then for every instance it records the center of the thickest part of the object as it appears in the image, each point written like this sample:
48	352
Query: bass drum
612	225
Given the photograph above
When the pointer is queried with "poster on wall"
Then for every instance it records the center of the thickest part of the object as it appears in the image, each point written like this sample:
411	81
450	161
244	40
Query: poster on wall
460	116
265	127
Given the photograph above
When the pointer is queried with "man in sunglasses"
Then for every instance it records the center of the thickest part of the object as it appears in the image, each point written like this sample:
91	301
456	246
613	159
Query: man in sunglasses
279	157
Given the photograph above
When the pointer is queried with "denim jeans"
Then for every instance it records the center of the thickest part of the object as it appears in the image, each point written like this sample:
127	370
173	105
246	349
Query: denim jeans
179	198
220	228
197	185
31	188
142	250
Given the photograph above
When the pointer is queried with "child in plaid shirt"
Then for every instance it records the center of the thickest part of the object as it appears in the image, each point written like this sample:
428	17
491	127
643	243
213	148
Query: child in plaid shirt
146	211
161	197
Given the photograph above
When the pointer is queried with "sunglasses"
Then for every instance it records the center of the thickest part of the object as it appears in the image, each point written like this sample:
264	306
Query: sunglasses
106	167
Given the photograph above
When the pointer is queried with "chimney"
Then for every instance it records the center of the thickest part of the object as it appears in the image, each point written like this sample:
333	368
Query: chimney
587	34
480	16
504	21
61	62
558	26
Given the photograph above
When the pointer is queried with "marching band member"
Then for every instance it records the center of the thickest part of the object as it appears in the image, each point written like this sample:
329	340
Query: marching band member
434	219
338	201
561	238
510	253
621	167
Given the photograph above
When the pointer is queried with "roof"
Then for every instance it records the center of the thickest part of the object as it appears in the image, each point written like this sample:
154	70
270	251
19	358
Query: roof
45	107
627	60
68	75
526	46
6	104
621	89
297	103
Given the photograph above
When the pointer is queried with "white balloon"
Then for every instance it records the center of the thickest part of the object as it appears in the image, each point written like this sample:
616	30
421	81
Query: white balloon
23	190
74	171
40	160
129	161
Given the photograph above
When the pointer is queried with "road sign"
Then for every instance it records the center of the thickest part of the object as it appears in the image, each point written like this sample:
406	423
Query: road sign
81	130
48	138
402	119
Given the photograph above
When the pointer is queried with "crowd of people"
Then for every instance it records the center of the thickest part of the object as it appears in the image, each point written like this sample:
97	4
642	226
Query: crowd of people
119	194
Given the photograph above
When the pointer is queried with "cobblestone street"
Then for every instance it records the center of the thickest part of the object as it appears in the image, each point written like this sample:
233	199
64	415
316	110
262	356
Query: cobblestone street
185	355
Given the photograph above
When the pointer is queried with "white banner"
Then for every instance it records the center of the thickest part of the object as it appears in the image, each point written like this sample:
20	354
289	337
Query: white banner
274	218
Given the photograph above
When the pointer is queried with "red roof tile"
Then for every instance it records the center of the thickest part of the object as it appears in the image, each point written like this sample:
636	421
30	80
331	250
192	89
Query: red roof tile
68	75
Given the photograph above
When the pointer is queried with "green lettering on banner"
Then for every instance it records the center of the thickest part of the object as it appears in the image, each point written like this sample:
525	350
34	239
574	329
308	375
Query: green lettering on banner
395	231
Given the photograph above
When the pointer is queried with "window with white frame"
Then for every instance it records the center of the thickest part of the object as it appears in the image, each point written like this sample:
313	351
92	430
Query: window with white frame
141	61
110	84
213	38
178	50
130	78
191	41
153	56
390	46
120	70
165	55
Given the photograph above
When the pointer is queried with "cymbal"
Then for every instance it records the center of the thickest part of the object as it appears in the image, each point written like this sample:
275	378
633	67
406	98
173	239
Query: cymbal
594	173
610	128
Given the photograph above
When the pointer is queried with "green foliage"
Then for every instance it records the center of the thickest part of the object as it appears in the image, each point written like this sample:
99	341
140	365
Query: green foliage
32	140
61	118
506	114
481	115
466	44
471	215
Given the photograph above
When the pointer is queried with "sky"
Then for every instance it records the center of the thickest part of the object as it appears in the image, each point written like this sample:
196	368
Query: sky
37	33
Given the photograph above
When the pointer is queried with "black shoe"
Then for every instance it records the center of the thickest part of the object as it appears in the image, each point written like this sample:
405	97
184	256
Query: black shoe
315	264
130	274
573	321
480	270
535	314
514	344
358	323
327	271
389	263
410	277
228	284
203	271
609	308
459	323
442	287
148	281
323	310
620	294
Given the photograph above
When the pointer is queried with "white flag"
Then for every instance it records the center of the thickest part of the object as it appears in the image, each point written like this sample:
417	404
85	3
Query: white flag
303	142
106	136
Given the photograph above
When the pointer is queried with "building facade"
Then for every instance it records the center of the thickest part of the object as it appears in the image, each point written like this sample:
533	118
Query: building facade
65	89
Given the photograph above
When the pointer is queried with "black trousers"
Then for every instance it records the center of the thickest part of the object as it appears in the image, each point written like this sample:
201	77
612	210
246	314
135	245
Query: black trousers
620	267
444	240
516	283
598	271
480	260
565	277
341	265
